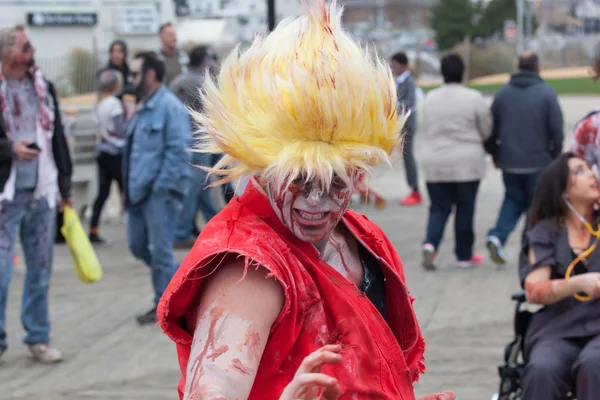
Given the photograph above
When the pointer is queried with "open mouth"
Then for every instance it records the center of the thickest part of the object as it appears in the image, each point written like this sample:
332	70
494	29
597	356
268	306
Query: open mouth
311	218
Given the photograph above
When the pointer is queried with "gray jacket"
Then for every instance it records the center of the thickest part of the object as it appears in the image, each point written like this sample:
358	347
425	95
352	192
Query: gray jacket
528	124
187	87
406	90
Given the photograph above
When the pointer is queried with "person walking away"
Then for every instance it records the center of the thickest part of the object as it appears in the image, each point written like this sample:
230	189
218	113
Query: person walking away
406	89
35	169
527	136
118	61
175	60
110	118
454	122
187	86
156	173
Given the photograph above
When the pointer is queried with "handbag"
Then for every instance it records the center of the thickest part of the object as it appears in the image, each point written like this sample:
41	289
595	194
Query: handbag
86	262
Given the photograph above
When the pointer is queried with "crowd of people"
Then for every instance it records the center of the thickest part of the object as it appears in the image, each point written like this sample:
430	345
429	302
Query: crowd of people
144	135
288	294
522	131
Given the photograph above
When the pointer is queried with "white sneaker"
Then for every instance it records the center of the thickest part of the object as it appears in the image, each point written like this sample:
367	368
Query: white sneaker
496	251
45	354
429	257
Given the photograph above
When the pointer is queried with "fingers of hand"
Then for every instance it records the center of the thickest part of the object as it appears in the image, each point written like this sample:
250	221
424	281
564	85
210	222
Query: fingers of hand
325	355
309	380
331	393
23	152
28	154
447	395
591	286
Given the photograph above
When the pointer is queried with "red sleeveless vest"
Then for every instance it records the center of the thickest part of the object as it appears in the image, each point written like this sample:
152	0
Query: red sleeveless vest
381	360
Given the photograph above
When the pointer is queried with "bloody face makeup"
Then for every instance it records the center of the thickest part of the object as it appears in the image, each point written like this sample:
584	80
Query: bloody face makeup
583	183
310	212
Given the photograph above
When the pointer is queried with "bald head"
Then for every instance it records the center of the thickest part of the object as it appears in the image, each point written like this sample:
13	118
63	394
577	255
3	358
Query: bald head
529	61
110	81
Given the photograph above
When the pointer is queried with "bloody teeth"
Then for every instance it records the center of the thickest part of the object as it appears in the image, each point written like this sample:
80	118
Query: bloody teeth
309	216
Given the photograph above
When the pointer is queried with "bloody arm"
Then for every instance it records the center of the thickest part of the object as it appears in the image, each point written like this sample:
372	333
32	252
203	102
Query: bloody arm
232	324
540	289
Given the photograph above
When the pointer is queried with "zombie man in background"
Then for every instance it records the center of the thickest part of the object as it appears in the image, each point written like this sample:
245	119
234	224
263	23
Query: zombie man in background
286	292
35	169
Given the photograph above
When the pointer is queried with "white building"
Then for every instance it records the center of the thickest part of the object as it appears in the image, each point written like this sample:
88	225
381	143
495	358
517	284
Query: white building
58	26
245	18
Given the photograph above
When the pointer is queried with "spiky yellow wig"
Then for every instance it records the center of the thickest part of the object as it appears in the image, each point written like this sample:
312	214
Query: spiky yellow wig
306	100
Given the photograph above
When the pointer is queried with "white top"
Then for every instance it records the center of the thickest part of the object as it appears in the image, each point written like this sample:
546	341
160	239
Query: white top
453	122
107	111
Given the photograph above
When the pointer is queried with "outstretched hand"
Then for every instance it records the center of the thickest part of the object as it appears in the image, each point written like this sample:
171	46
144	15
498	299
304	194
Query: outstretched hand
447	395
309	380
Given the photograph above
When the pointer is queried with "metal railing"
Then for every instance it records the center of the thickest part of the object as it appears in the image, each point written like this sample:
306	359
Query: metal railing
75	72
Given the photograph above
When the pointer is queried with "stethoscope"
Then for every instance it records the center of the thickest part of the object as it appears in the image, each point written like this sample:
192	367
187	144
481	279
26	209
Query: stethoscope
587	252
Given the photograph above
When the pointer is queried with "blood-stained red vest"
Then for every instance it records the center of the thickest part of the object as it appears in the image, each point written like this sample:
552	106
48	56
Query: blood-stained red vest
381	360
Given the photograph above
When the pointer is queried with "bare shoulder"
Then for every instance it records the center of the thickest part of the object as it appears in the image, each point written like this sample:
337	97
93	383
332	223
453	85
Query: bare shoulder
232	323
245	289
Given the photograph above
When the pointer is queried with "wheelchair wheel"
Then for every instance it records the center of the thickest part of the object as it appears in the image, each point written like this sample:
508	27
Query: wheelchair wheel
509	384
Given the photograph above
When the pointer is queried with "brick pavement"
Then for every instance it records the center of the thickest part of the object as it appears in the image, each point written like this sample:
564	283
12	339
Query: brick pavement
465	314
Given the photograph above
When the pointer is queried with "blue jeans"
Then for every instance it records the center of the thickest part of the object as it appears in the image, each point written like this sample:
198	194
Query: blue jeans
445	196
35	220
198	197
519	189
150	233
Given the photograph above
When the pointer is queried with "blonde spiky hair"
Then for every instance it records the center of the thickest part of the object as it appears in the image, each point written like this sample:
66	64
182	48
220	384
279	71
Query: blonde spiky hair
305	100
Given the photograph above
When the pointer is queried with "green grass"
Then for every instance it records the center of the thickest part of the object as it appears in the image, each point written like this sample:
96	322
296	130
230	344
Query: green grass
562	86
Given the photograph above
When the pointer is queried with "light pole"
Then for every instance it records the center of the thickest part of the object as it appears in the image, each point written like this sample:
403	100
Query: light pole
271	14
520	30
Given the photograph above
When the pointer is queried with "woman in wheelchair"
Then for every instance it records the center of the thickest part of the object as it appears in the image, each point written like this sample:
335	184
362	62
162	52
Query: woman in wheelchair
560	269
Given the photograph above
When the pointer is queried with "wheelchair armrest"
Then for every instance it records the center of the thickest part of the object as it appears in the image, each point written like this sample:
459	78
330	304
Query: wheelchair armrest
519	296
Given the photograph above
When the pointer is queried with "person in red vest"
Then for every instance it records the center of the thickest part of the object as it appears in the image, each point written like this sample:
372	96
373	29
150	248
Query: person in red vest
287	294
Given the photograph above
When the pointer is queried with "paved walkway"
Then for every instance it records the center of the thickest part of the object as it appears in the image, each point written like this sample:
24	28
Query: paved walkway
465	314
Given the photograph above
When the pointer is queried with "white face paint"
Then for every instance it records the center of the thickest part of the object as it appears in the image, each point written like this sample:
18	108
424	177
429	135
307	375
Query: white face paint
310	213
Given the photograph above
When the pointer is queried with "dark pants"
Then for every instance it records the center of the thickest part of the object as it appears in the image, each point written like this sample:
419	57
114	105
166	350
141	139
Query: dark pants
444	196
557	366
519	189
109	169
410	164
59	223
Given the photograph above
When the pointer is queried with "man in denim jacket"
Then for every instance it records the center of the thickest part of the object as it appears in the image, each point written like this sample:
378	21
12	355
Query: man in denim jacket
156	173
